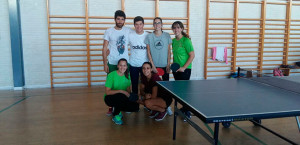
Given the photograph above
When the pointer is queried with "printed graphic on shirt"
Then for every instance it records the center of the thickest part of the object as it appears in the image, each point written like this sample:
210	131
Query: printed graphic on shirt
121	44
159	44
139	47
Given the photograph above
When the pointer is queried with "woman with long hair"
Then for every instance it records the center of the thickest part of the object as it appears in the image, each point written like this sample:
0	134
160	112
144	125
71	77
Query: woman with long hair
183	54
155	98
117	92
159	48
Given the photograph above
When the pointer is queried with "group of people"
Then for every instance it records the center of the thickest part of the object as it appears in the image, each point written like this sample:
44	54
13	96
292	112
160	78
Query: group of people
149	51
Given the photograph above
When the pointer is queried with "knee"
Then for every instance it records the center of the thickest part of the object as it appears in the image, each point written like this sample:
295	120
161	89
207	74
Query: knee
148	103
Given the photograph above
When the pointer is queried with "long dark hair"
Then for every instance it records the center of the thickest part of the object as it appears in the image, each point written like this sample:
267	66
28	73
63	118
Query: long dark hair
126	72
182	27
147	63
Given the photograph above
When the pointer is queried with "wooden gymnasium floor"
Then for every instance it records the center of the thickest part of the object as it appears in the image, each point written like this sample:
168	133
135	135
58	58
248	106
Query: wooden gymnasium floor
76	116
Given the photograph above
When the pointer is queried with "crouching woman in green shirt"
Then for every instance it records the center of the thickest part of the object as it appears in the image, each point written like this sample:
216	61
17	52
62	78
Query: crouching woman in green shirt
117	92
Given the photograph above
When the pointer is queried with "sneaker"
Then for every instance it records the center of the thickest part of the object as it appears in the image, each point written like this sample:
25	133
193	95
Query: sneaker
120	114
161	116
110	111
153	114
117	119
188	115
169	111
147	109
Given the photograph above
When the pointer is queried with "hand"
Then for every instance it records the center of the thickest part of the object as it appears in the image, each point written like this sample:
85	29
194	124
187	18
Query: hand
154	69
106	68
168	69
148	96
181	69
125	93
140	100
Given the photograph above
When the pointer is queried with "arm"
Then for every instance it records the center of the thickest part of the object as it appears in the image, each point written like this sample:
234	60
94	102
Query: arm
150	59
169	59
154	92
109	91
188	62
104	55
142	88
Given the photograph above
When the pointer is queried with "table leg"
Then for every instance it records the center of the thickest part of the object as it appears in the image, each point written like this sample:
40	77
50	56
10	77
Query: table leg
297	119
216	133
175	118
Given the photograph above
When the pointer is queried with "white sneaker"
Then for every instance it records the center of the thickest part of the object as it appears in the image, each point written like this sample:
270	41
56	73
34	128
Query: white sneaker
169	111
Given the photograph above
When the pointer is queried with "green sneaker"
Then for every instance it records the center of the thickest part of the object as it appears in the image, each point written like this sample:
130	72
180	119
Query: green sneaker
117	119
120	114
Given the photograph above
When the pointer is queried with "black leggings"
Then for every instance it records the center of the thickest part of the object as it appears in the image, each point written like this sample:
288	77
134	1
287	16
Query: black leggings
120	102
182	75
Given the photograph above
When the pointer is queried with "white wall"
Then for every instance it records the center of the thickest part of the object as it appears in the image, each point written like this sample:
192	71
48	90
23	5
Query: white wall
6	74
35	43
35	30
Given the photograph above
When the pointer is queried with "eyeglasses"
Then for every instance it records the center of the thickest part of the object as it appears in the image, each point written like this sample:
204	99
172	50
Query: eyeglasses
157	23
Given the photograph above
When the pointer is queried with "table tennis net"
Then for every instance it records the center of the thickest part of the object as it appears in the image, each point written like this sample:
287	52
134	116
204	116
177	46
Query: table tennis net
279	83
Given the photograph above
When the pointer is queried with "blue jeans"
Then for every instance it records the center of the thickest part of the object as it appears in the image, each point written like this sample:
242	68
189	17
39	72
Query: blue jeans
135	73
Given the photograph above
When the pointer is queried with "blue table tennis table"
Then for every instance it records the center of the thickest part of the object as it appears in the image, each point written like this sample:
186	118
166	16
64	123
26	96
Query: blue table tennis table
227	100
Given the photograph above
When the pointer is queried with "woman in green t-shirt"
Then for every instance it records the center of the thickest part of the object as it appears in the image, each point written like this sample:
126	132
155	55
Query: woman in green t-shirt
117	92
183	54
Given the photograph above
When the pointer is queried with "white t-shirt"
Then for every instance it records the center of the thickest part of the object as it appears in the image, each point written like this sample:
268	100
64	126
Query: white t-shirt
138	49
118	44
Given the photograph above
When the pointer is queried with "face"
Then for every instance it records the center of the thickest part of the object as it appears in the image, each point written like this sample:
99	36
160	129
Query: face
120	21
157	25
139	26
147	70
122	66
177	30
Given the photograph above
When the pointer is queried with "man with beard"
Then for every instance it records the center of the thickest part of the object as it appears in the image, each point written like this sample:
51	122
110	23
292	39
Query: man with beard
116	43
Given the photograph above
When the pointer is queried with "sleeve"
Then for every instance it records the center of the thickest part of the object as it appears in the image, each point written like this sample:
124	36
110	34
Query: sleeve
106	35
155	78
188	45
147	40
109	81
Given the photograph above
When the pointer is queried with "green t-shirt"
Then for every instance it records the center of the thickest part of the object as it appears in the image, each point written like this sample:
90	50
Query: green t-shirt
181	49
116	82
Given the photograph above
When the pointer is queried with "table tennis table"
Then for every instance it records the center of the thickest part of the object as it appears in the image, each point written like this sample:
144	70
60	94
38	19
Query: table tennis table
227	100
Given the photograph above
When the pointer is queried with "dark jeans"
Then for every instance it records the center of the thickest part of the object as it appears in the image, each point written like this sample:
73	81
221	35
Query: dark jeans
135	72
165	77
182	75
120	102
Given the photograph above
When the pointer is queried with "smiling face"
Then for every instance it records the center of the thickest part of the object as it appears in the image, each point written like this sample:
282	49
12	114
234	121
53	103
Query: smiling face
157	24
120	21
146	68
177	30
122	67
139	27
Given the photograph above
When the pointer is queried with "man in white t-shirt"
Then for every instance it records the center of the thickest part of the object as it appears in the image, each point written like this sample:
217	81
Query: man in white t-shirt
116	41
138	52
